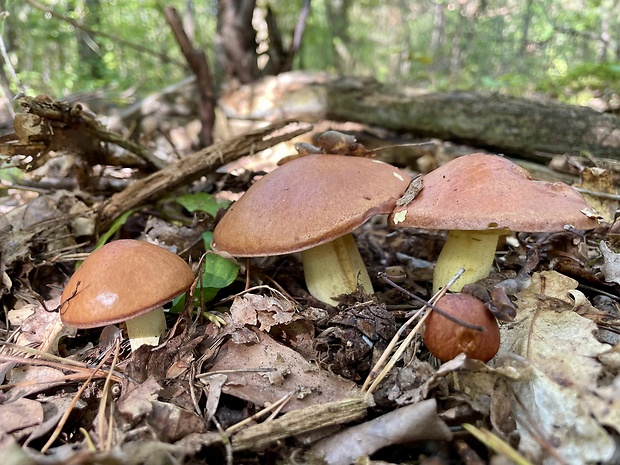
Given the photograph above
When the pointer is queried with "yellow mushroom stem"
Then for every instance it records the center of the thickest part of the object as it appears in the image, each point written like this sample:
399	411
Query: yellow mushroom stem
146	329
472	250
335	268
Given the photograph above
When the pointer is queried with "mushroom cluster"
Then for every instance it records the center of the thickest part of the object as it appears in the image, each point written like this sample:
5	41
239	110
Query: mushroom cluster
311	205
125	280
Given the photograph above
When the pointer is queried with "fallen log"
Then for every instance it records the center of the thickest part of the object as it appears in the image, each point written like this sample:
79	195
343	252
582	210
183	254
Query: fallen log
531	129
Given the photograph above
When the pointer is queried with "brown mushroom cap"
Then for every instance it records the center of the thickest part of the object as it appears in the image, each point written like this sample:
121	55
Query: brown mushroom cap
488	192
445	339
308	202
122	280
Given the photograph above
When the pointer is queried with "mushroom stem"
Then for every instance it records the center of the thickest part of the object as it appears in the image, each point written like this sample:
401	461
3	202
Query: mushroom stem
472	250
146	329
335	268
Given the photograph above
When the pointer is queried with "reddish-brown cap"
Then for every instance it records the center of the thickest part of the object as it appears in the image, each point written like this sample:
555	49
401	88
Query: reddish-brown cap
122	280
488	192
445	339
308	202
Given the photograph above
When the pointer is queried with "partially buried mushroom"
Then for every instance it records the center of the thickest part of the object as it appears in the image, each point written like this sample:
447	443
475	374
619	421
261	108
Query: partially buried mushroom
125	280
480	197
445	338
311	205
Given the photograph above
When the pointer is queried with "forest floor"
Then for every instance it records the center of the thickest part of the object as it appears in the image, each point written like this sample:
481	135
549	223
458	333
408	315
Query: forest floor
257	370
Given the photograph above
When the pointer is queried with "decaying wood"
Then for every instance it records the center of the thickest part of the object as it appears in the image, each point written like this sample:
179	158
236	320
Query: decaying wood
192	167
300	421
74	117
515	126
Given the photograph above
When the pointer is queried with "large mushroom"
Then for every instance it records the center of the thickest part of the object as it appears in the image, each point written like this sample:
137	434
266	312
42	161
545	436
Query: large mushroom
480	197
311	205
125	280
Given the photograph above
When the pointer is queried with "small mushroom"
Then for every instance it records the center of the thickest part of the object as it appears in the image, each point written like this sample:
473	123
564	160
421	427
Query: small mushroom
480	197
446	339
311	205
125	280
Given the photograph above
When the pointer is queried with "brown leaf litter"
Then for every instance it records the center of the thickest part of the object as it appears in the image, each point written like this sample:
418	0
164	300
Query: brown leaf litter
269	375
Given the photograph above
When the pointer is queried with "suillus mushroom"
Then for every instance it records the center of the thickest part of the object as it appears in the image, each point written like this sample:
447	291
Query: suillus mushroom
480	197
311	205
125	280
445	339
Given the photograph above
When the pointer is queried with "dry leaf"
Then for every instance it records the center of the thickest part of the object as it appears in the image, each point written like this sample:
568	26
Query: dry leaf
599	180
53	409
138	401
611	265
172	422
414	188
31	379
291	369
20	414
558	376
416	422
43	328
265	311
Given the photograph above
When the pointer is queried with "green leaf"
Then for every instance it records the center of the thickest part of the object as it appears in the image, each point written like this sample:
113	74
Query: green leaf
201	201
120	221
217	272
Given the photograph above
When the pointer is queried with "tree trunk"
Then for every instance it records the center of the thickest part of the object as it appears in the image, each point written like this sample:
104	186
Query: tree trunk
236	40
514	126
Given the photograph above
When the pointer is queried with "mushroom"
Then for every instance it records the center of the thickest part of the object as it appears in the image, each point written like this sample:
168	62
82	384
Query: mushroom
125	280
445	339
311	205
480	197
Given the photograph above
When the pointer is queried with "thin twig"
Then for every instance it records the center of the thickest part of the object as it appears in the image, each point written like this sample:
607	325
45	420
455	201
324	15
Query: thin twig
65	416
405	343
602	195
429	305
107	442
276	405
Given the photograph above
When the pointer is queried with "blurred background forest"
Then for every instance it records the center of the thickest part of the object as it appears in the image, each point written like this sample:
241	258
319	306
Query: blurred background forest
117	50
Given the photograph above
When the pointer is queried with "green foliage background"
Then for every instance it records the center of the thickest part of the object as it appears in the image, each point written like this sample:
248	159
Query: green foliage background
568	49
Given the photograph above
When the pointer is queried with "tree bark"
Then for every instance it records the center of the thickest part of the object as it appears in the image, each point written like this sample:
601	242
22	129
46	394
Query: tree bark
197	61
514	126
236	40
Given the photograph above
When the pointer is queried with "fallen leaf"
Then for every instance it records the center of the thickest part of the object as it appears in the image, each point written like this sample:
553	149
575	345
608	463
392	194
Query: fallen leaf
31	379
43	328
599	180
558	373
414	188
416	422
611	265
171	422
269	355
20	414
53	409
265	311
139	401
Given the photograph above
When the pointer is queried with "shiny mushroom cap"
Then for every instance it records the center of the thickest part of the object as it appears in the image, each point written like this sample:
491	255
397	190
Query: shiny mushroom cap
122	280
308	202
488	192
445	339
